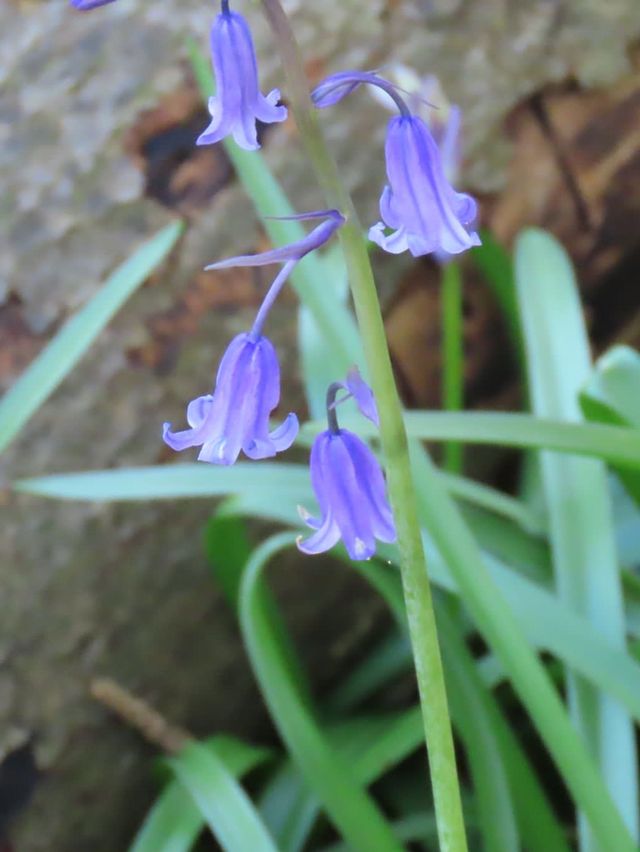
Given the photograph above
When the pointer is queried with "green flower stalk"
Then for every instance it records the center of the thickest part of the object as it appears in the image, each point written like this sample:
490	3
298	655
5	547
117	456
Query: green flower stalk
422	624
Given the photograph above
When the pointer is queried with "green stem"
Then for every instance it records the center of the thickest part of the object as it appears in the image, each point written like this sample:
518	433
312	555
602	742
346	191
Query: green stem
393	437
452	356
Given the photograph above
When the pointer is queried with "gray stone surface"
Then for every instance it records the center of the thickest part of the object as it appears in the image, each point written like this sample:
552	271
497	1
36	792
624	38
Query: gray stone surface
124	591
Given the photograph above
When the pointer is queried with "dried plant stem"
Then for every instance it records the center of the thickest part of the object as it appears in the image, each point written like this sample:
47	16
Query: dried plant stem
139	715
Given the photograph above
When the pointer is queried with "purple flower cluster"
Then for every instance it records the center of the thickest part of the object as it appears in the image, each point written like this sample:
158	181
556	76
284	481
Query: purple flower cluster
420	213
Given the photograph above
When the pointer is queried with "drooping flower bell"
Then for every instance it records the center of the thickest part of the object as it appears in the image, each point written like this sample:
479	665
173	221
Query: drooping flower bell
419	205
236	416
238	102
349	486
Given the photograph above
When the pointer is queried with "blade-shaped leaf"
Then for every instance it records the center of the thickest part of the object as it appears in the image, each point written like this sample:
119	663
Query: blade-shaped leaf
174	822
576	493
325	770
222	802
611	395
71	342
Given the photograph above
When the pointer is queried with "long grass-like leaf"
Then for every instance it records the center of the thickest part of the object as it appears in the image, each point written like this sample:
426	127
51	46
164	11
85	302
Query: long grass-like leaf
331	778
71	342
222	802
174	822
576	492
503	631
611	443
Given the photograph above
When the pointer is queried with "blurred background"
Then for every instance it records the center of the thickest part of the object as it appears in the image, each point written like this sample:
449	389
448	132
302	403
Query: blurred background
98	117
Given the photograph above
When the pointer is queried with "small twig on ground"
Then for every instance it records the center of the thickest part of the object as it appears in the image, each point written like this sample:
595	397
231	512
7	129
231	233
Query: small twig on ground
139	715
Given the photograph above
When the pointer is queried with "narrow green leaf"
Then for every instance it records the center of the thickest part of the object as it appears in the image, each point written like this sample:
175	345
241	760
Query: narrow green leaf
174	822
496	266
225	806
370	746
75	337
170	482
172	825
502	627
485	497
611	443
228	549
470	702
576	493
326	772
610	395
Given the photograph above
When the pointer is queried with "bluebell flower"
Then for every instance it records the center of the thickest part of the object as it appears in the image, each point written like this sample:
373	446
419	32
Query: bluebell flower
425	212
350	489
419	205
238	103
236	416
86	5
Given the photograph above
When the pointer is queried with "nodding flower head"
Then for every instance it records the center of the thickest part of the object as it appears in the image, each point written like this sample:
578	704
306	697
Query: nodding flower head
350	489
236	416
419	204
238	102
86	5
425	212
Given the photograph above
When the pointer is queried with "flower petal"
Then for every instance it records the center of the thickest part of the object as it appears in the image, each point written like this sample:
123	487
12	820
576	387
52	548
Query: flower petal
323	539
363	395
344	496
394	243
285	434
198	409
372	485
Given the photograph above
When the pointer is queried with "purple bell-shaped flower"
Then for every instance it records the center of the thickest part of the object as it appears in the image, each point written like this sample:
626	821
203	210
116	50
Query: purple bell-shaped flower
236	416
419	204
238	102
349	486
422	207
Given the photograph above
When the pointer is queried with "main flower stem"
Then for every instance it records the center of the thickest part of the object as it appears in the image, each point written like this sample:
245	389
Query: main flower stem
417	592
